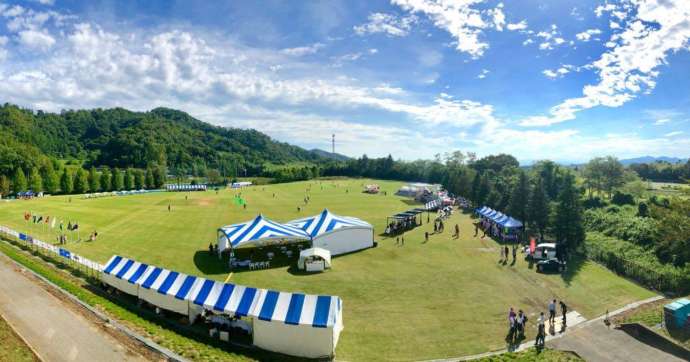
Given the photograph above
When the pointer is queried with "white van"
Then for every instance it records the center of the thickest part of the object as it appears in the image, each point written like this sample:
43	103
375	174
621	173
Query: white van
545	251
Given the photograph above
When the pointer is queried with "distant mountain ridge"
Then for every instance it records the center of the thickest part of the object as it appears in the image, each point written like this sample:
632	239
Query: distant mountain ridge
652	159
330	155
121	138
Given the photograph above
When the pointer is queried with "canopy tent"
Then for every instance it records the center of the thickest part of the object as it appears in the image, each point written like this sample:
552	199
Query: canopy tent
257	232
499	217
511	223
292	323
432	205
337	234
481	210
314	252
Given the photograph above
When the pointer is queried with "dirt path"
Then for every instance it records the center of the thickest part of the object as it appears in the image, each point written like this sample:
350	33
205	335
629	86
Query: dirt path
53	329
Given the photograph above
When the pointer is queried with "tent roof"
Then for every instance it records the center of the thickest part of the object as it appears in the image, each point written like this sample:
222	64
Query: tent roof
511	223
291	308
326	222
414	211
252	232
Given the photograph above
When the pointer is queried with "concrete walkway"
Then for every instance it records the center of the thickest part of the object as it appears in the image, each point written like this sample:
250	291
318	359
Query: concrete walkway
51	328
596	342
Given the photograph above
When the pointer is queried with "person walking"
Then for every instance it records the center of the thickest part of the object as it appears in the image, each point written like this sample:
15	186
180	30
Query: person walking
435	227
168	207
426	236
521	320
541	331
476	229
507	253
511	325
552	312
514	253
457	231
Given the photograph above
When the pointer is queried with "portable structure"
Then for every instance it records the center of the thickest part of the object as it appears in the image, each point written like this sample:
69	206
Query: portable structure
291	323
314	253
185	187
337	234
258	232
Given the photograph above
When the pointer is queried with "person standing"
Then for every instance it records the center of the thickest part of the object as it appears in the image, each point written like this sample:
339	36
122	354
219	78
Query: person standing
426	236
514	254
541	331
507	252
435	227
521	320
168	207
552	312
457	231
476	229
564	311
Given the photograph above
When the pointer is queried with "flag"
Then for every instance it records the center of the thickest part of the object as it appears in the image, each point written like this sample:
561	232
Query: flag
69	225
52	224
62	225
34	219
75	226
40	218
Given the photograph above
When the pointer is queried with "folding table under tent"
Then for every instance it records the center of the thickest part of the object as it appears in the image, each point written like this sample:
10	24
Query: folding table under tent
291	323
258	232
337	234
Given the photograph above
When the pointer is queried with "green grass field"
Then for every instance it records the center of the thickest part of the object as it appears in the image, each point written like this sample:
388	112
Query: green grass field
438	299
12	347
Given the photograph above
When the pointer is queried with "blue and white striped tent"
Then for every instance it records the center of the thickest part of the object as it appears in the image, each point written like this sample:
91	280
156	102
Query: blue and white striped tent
185	293
327	222
337	234
256	232
433	204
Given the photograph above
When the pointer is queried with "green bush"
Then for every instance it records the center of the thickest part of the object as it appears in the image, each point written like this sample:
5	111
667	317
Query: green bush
622	225
594	203
620	198
638	263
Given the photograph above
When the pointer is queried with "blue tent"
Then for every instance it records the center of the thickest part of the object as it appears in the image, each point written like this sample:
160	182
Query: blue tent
480	210
290	308
500	218
326	222
511	223
258	231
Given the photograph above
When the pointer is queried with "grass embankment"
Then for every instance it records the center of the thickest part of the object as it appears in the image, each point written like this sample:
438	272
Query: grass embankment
12	348
448	297
532	355
652	316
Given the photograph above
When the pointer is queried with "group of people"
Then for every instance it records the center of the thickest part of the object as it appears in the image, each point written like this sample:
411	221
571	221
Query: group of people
401	225
505	254
517	322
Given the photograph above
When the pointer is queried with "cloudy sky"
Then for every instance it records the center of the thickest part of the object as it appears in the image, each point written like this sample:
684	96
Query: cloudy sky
565	80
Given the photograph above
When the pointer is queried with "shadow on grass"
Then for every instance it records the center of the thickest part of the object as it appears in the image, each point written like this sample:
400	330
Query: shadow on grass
209	264
574	266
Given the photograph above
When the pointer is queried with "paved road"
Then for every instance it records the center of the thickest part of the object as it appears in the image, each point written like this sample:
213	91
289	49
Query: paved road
595	342
51	328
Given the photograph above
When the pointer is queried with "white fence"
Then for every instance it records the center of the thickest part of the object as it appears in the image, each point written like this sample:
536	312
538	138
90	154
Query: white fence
31	242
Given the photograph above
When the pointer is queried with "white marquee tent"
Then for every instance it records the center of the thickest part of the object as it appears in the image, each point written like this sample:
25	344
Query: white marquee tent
312	252
257	232
291	323
337	234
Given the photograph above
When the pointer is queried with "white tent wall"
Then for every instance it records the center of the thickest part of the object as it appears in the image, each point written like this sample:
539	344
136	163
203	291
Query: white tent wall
120	284
163	301
296	340
222	241
346	240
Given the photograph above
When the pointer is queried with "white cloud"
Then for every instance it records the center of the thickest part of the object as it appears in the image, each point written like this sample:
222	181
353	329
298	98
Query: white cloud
587	34
661	121
498	17
630	66
483	74
550	73
459	18
517	26
373	51
528	41
37	40
303	50
673	134
601	9
386	23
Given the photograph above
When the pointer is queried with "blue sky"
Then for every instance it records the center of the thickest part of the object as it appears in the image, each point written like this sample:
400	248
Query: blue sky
565	80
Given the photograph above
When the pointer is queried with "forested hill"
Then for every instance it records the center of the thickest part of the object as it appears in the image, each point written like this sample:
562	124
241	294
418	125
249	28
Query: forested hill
122	138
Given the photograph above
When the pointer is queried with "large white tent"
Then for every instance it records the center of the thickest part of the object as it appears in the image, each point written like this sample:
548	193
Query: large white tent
258	232
337	234
291	323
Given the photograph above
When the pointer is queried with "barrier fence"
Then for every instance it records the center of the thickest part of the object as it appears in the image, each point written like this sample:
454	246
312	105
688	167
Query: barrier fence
52	250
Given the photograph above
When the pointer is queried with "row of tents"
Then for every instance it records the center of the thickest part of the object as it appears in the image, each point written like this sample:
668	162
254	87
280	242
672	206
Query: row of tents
292	323
335	233
185	187
499	218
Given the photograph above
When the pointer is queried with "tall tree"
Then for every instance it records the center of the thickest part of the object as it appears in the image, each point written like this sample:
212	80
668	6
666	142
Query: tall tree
81	181
94	180
519	198
476	184
539	207
118	180
129	179
150	183
484	190
19	181
106	182
51	180
567	223
5	186
35	180
159	176
139	179
66	181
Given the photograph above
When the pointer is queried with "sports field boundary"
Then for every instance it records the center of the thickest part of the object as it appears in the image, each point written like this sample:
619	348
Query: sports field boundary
109	322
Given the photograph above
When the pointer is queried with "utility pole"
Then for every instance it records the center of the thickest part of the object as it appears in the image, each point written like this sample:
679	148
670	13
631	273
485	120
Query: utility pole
333	144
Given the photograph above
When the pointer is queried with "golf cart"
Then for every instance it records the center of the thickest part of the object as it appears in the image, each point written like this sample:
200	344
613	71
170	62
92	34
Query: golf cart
544	251
550	266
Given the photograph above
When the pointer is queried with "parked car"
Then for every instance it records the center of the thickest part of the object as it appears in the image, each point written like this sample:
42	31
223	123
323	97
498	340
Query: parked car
550	266
544	251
